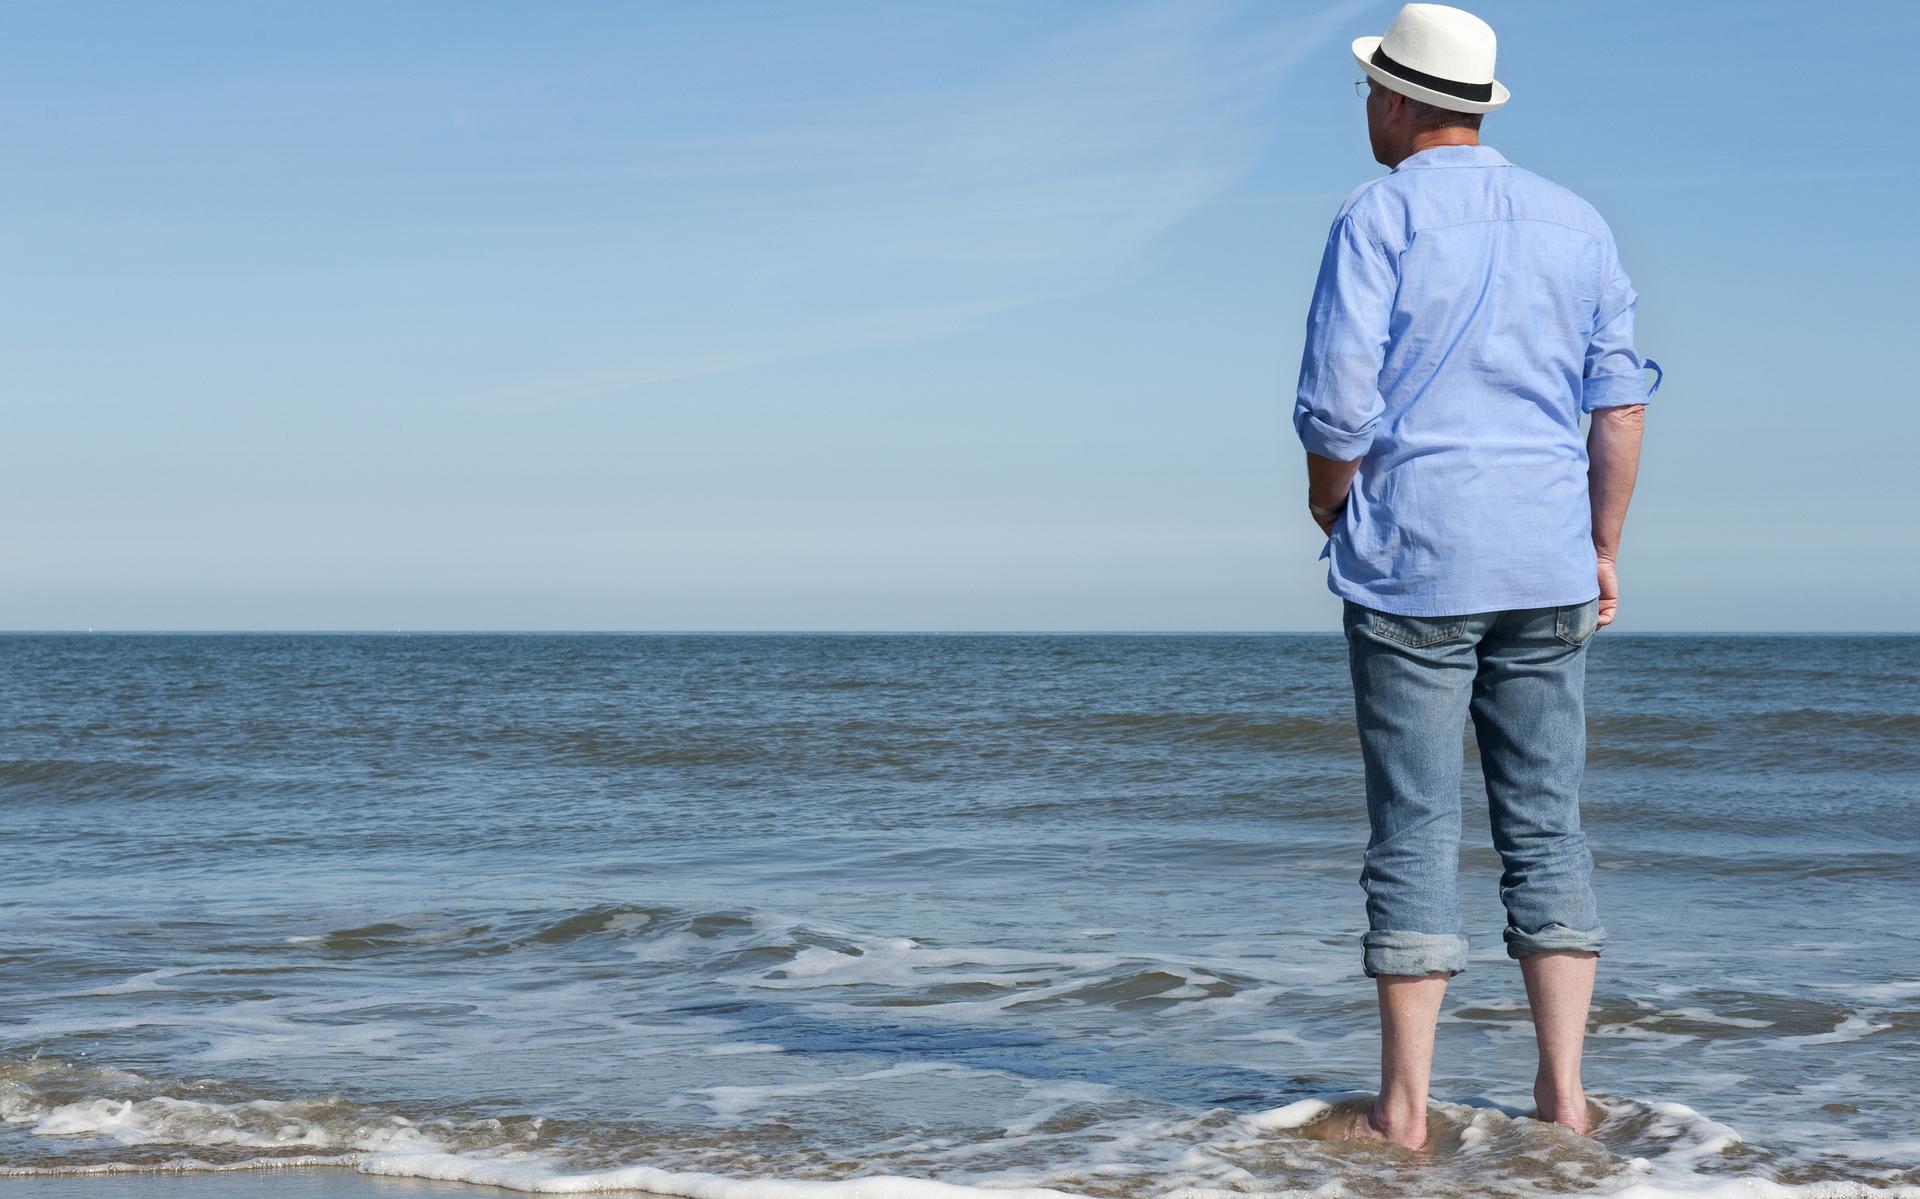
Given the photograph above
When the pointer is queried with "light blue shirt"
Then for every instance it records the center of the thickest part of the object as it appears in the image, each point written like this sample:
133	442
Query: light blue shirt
1467	313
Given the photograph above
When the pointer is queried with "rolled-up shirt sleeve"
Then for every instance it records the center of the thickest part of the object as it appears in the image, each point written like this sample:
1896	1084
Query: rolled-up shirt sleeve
1338	403
1614	373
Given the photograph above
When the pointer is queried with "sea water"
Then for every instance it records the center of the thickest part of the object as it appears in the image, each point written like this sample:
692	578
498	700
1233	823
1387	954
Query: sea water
879	917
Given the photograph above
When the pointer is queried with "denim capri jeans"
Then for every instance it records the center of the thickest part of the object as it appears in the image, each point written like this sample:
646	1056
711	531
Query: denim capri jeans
1520	675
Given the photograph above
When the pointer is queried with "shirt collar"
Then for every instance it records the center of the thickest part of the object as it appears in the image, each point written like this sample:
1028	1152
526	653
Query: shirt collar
1454	156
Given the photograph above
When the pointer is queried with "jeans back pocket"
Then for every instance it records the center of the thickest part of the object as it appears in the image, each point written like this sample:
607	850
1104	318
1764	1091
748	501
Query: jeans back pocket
1574	623
1415	632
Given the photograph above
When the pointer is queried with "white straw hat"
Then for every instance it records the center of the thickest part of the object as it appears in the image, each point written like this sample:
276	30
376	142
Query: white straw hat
1436	53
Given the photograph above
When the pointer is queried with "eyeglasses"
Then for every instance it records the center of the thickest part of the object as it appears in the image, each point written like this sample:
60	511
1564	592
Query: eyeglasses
1362	88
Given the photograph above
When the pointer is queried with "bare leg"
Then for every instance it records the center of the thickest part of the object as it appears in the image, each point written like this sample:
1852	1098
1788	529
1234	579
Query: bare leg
1560	990
1409	1010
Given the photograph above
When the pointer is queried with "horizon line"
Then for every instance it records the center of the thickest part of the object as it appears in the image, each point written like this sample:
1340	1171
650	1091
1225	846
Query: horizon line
904	632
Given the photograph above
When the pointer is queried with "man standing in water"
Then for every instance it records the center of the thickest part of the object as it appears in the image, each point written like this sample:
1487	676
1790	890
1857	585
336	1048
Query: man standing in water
1467	313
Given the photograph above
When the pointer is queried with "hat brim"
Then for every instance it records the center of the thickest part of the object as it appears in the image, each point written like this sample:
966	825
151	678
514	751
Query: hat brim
1363	48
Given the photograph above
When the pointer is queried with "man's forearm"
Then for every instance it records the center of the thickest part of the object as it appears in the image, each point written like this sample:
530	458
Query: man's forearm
1328	480
1613	462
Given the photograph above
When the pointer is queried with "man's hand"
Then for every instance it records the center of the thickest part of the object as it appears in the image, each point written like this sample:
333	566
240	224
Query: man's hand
1609	592
1325	516
1329	482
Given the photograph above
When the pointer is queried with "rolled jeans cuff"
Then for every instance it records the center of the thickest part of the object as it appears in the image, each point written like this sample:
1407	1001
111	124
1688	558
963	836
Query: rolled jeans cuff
1387	951
1551	937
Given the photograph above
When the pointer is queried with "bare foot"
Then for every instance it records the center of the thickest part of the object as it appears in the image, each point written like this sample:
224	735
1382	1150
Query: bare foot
1562	1105
1365	1124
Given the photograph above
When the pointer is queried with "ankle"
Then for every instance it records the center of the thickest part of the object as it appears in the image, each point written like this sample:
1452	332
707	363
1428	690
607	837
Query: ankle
1395	1113
1558	1082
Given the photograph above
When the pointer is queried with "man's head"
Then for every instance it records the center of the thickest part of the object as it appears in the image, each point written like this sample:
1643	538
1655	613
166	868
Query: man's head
1398	125
1431	80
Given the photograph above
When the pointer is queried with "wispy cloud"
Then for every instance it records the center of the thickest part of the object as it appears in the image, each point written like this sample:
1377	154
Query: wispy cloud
897	214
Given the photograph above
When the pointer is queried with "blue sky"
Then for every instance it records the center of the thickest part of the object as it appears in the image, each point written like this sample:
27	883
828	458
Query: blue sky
874	316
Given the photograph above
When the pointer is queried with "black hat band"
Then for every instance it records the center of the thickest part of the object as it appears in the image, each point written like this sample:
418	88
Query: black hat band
1477	92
